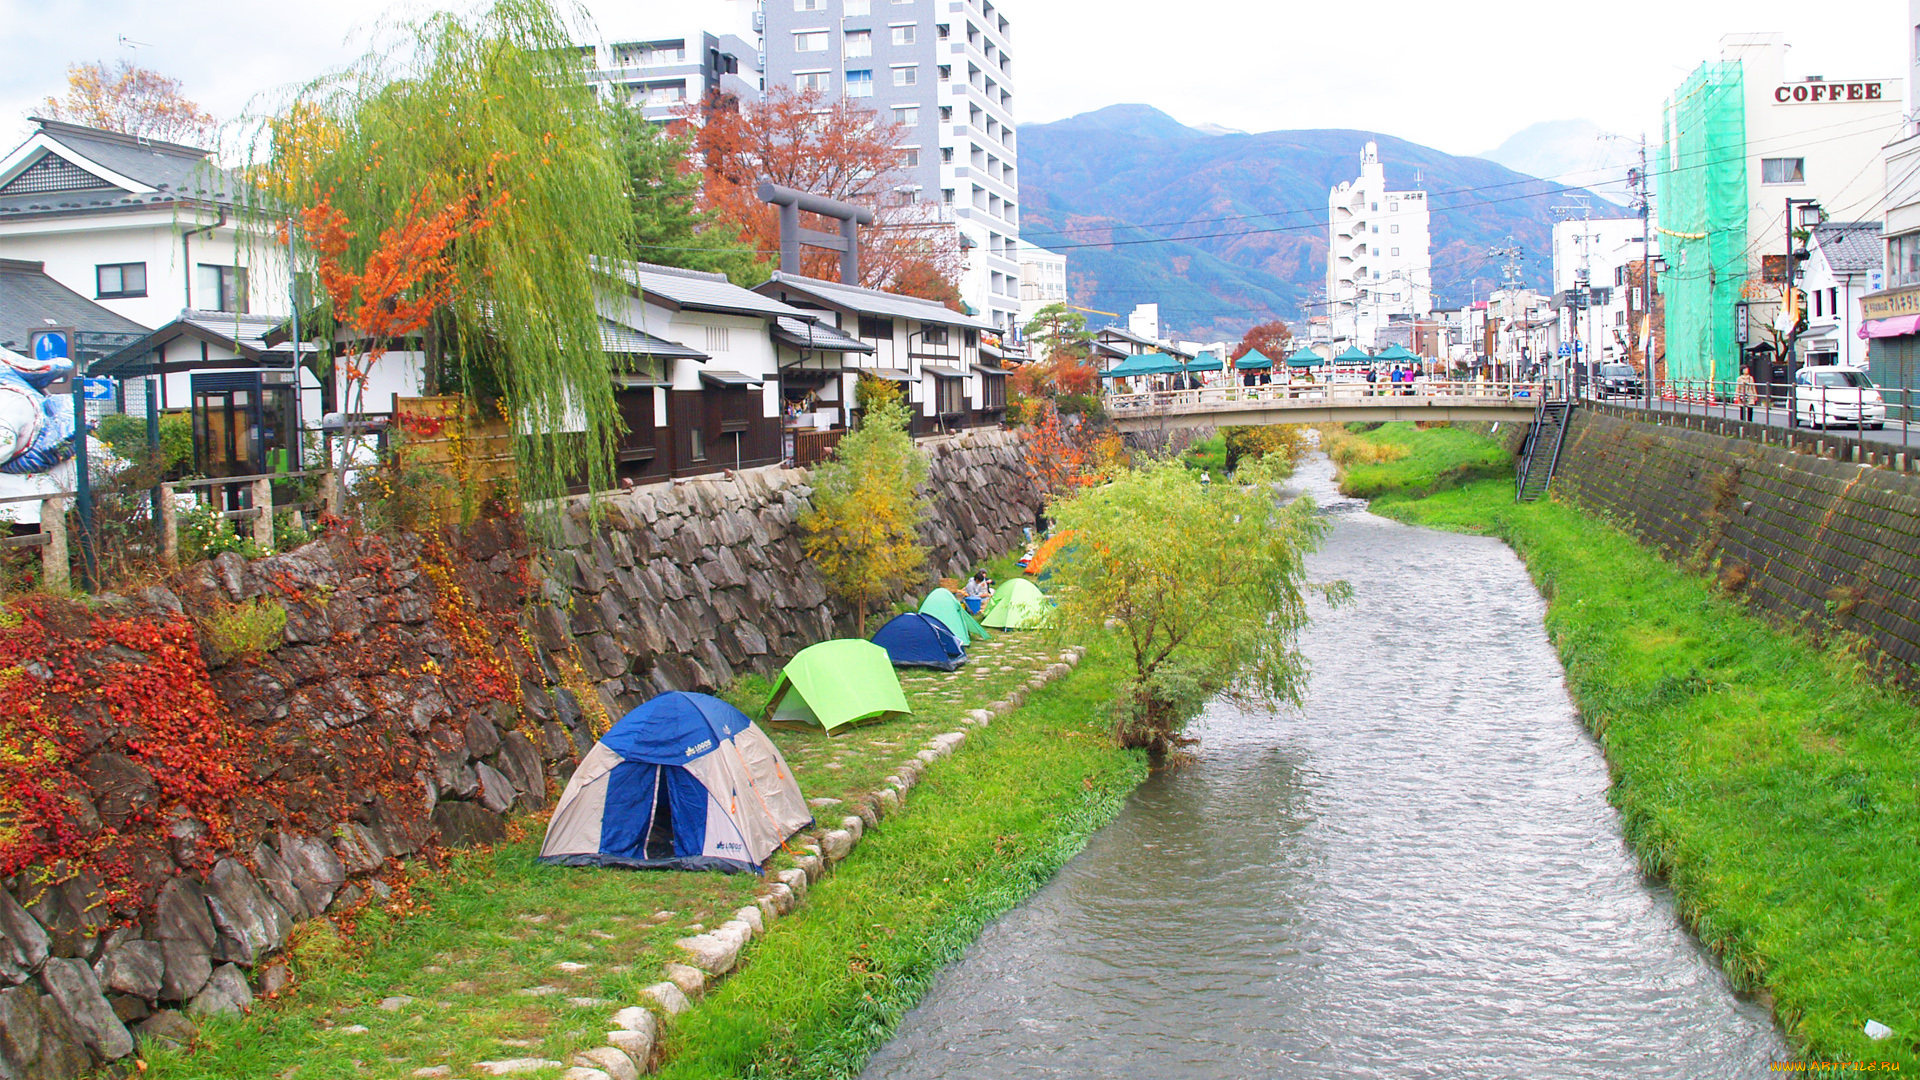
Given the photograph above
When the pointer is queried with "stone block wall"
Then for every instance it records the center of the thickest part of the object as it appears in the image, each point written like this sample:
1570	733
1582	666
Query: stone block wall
687	586
400	710
1814	543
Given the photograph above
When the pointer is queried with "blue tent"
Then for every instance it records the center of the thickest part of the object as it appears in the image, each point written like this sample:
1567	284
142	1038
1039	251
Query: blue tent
918	640
684	782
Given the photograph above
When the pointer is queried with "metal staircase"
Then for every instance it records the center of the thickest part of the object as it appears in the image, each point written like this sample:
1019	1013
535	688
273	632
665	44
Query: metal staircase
1541	455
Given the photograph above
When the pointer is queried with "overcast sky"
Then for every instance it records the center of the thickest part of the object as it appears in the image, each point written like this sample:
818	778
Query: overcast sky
1460	76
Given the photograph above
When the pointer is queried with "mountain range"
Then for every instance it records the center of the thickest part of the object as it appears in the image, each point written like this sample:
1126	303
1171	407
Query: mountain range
1226	229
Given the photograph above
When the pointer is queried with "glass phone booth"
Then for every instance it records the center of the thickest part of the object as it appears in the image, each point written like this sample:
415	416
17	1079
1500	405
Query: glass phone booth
245	423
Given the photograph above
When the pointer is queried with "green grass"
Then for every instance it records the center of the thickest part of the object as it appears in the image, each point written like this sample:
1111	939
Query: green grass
1765	777
494	924
1208	456
981	832
1436	458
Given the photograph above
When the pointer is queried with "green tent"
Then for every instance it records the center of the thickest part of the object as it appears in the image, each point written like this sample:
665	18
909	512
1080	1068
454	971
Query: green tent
1398	354
1209	363
836	684
1017	605
1305	357
1255	360
943	605
1354	355
1137	364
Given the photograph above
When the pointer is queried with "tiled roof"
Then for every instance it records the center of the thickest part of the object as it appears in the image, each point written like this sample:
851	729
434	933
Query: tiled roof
28	298
244	334
871	301
1851	246
175	172
625	340
815	336
696	290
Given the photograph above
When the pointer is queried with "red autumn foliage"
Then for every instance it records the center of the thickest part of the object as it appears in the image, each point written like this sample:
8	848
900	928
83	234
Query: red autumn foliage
1054	453
835	148
1272	339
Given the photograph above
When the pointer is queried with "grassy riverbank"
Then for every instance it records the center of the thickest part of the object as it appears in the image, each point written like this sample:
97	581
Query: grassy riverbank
1402	458
498	957
1765	777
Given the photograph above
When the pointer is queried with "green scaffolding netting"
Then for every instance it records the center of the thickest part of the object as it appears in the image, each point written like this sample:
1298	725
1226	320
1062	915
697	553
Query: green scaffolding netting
1701	178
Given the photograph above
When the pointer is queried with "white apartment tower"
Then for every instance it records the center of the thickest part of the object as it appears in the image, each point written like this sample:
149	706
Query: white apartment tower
943	71
1379	262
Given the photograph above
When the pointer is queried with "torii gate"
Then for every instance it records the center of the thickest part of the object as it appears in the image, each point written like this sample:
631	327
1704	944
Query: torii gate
793	237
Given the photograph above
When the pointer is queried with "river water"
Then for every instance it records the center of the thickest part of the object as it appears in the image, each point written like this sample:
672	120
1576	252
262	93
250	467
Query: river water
1416	875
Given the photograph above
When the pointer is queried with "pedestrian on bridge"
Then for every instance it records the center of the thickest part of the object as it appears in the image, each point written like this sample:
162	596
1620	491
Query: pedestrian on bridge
1746	392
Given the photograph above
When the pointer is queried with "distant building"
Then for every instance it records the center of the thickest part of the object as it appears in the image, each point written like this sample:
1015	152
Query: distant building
944	72
1890	316
1845	261
1740	139
1590	256
1043	279
1144	322
1379	262
665	73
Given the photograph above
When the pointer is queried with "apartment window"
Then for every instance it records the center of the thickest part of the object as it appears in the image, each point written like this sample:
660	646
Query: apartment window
859	7
950	395
859	43
906	115
1395	229
812	80
809	5
875	328
934	335
1783	170
697	442
719	339
1903	260
905	35
910	157
1833	302
946	194
906	76
946	72
226	286
946	113
1396	252
116	281
1376	208
944	31
946	158
860	82
810	41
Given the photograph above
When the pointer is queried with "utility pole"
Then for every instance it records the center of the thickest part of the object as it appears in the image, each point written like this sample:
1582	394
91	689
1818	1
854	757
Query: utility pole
1510	278
1582	291
1643	197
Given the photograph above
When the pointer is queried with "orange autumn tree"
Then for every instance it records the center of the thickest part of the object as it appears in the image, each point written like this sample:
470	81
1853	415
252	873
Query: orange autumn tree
405	281
131	100
834	148
1055	453
1271	338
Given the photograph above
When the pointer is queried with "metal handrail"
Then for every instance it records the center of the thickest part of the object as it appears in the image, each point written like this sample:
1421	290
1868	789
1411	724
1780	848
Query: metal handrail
1317	395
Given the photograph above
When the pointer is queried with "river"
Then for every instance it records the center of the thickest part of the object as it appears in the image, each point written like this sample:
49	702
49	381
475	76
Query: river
1415	875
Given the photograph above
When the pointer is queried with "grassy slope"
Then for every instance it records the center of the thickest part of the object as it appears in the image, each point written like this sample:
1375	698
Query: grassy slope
1436	458
1775	787
495	924
980	834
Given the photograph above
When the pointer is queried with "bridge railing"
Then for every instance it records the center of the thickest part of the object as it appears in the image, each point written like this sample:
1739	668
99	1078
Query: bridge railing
1323	395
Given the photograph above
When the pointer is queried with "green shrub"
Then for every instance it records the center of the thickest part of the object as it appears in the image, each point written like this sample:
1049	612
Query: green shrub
127	435
204	534
254	628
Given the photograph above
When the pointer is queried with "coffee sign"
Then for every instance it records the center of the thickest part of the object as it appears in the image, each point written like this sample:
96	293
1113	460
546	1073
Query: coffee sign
1810	92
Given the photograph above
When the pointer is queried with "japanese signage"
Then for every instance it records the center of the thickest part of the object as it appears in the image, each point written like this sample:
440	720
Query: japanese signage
1886	305
1808	93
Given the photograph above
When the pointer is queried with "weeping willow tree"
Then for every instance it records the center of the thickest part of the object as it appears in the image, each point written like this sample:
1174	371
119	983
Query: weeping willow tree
491	105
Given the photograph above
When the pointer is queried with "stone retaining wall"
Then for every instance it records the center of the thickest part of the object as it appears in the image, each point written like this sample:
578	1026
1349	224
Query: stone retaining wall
371	735
1815	543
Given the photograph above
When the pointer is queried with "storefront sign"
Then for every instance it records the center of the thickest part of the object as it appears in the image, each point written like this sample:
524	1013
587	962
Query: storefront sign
1886	305
1811	92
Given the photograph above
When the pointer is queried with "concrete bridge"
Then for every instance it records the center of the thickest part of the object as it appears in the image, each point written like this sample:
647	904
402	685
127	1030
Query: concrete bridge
1325	403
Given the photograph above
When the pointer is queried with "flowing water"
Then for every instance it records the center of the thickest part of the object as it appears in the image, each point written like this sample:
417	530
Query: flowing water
1416	875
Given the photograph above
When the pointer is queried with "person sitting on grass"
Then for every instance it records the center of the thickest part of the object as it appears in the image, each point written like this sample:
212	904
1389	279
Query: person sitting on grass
979	591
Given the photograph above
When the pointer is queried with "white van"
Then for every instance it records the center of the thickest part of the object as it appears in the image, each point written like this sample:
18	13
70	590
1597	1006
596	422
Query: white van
1827	395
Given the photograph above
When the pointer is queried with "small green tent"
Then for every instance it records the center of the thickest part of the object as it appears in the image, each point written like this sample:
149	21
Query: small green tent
1017	605
1305	357
943	605
1354	355
1398	354
836	684
1255	360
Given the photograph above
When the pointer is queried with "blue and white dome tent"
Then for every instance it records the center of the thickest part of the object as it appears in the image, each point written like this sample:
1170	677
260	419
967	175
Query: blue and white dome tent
684	782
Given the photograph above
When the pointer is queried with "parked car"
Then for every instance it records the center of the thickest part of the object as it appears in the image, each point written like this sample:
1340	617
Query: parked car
1619	380
1828	395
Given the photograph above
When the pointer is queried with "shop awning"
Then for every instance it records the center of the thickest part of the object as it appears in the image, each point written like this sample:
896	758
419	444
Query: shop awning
991	372
943	372
729	380
891	374
1898	326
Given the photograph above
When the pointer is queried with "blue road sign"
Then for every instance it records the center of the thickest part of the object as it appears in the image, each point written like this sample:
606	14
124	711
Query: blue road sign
50	345
97	388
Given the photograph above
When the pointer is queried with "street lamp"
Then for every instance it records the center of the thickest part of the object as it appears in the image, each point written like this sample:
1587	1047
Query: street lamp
1802	215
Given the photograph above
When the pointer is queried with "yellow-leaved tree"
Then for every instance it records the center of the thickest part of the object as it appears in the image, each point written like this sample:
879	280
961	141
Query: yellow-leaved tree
863	530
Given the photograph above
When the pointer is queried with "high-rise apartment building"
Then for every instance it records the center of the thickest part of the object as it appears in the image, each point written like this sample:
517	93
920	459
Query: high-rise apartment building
1379	263
667	73
943	71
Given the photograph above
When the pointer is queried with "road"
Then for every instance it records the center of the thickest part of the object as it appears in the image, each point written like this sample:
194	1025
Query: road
1896	433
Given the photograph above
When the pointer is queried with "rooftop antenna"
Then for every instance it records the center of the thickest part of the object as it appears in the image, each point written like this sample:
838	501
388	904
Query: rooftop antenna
128	43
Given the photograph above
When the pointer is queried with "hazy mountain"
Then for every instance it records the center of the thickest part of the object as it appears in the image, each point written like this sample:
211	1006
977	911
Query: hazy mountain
1228	230
1571	152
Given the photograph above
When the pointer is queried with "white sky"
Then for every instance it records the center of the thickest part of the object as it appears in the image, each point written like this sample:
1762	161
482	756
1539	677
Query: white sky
1460	76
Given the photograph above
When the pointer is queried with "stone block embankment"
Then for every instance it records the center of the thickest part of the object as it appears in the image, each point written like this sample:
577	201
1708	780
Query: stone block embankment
1814	543
686	586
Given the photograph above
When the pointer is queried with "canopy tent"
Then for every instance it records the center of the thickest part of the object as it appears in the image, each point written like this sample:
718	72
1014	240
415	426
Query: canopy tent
1146	364
1211	363
684	782
836	684
1354	355
943	605
1255	360
1305	357
1017	605
917	640
1398	354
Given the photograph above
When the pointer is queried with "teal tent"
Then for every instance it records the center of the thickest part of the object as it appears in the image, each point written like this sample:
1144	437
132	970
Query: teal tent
1305	357
943	605
1398	354
1143	364
1206	364
1253	361
1354	355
